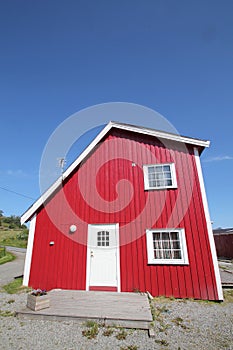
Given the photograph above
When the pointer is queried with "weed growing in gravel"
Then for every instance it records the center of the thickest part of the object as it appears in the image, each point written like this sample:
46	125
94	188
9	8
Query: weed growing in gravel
6	313
122	334
129	347
90	324
163	327
92	331
108	331
179	322
11	301
162	342
162	309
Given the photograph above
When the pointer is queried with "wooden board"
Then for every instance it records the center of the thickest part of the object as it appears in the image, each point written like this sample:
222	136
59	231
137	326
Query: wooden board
130	310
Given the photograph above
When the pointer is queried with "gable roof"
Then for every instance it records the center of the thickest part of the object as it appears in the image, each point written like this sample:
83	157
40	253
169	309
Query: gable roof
201	144
223	231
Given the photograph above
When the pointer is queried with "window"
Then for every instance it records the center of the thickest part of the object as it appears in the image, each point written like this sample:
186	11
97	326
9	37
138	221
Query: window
166	246
103	239
159	176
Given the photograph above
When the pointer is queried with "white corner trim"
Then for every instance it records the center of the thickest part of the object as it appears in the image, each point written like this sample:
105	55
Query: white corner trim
118	258
28	259
209	226
88	261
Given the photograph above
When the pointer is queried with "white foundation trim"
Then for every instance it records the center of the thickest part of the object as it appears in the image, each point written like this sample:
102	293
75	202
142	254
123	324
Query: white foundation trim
209	226
28	259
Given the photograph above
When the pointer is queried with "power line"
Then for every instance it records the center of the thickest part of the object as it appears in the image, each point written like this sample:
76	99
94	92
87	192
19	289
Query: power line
19	194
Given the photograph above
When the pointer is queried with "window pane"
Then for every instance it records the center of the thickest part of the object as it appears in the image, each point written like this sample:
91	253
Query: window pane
174	236
152	183
166	168
176	245
167	254
168	183
151	176
156	235
167	176
150	169
177	254
158	254
159	176
159	168
165	235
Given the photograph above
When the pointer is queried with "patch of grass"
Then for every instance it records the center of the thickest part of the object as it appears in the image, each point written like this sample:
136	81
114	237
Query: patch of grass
15	287
13	237
8	257
228	295
6	313
90	323
92	330
122	334
129	347
157	311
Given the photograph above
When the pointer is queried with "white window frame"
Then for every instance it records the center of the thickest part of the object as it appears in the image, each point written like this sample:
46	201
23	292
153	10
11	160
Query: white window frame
150	248
146	177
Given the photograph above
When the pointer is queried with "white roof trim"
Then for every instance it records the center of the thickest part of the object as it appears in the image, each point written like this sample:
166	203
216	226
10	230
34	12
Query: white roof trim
133	128
161	134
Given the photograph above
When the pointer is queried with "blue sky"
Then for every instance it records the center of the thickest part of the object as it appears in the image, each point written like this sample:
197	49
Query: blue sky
58	57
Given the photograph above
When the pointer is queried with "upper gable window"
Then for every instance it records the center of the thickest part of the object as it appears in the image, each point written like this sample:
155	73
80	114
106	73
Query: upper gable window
159	176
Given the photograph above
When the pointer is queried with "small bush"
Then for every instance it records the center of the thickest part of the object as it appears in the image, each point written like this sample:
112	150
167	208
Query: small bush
22	235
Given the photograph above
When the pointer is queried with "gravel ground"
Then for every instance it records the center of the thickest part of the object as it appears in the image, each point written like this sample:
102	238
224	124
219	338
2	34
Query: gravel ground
180	324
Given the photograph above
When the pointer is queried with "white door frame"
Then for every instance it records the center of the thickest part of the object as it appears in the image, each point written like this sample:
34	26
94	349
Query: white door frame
88	265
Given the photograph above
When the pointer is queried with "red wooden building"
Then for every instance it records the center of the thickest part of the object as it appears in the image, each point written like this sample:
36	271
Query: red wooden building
130	214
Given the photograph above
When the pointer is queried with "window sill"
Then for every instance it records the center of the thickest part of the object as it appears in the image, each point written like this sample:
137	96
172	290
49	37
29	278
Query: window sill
166	262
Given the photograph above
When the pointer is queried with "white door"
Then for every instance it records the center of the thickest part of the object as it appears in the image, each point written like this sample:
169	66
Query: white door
103	257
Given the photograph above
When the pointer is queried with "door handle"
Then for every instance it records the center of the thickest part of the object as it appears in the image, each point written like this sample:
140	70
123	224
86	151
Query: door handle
92	253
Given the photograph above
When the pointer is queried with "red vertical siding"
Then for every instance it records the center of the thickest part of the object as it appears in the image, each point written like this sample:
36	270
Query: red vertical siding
64	264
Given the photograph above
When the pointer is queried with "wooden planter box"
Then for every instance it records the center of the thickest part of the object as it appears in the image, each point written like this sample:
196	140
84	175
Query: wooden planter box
37	303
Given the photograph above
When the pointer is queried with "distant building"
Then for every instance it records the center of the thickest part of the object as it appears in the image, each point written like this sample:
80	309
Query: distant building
223	238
